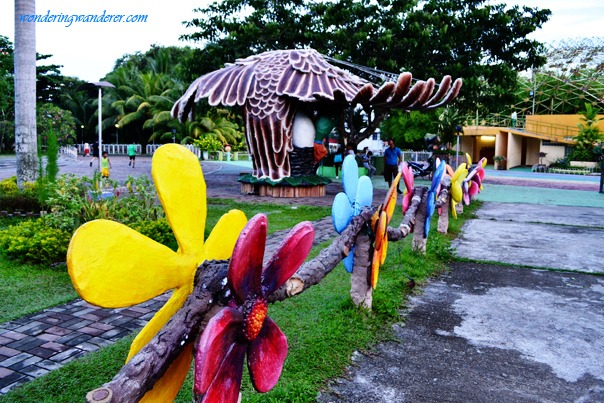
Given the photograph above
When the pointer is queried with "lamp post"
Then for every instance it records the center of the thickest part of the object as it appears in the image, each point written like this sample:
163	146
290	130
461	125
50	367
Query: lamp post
82	133
98	85
602	167
117	129
458	129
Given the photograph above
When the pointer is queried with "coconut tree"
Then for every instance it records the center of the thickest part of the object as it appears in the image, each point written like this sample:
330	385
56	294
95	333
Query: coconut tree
26	144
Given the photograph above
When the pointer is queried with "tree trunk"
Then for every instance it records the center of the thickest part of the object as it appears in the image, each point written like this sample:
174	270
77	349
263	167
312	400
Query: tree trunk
26	141
444	200
360	286
419	237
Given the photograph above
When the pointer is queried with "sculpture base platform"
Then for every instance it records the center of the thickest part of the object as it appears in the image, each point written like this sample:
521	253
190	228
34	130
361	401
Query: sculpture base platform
282	191
299	186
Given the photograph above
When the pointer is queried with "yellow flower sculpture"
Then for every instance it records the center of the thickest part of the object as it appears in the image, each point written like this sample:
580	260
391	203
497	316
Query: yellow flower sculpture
113	266
457	178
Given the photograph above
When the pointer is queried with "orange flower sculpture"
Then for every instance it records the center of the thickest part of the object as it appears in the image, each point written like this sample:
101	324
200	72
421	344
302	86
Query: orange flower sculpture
379	223
243	328
113	266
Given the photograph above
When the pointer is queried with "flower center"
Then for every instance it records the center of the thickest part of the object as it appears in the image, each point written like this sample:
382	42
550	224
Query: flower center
255	312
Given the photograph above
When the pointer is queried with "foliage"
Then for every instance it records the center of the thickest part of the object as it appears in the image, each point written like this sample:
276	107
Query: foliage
34	241
75	201
409	128
294	181
208	143
571	77
158	230
589	136
11	198
61	122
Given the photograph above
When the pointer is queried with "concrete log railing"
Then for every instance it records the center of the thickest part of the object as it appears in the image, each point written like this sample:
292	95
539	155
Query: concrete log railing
140	374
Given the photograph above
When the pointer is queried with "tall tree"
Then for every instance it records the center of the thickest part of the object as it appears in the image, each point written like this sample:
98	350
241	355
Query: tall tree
26	142
483	43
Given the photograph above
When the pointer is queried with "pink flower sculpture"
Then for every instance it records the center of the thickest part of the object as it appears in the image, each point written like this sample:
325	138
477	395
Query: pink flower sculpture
244	327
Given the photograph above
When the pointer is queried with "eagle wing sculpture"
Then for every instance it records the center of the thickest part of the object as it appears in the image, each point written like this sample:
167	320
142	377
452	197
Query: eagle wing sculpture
272	85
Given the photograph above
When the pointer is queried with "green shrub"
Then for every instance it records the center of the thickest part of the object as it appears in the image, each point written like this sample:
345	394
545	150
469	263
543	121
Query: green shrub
23	202
11	198
34	241
158	230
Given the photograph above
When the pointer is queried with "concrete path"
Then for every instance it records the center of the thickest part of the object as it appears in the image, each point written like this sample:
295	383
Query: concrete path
492	333
557	237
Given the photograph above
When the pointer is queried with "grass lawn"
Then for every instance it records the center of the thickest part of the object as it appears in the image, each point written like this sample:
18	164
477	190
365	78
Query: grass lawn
25	288
322	326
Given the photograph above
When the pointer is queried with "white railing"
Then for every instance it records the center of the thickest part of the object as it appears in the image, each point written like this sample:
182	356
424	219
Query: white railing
416	155
112	149
206	155
69	152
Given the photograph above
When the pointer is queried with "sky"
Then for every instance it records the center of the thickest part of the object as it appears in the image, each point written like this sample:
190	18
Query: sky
89	50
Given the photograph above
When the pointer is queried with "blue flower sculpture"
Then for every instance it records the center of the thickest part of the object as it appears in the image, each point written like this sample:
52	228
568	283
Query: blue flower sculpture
358	193
438	175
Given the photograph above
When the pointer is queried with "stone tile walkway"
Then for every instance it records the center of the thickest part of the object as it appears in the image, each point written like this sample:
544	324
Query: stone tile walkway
36	344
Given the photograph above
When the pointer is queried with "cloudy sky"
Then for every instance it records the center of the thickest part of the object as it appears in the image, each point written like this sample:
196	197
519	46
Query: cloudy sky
89	50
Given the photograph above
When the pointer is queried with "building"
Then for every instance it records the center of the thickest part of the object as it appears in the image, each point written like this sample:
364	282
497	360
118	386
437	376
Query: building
521	145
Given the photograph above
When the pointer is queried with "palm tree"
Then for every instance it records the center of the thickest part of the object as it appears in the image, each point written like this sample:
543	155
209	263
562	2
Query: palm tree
143	100
26	142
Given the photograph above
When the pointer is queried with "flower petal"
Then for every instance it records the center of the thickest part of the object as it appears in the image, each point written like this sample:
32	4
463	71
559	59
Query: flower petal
408	177
245	269
290	254
220	243
184	199
219	357
364	196
350	177
161	317
375	268
168	386
114	266
456	192
266	355
384	250
407	201
390	200
348	261
438	175
381	229
341	212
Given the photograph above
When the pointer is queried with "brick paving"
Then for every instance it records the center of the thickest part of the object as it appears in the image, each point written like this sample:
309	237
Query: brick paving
36	344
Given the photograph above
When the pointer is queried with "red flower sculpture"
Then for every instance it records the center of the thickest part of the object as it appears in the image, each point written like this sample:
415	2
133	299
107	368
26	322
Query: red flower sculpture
244	327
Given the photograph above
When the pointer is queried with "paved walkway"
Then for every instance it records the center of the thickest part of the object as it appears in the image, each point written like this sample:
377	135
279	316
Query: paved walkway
487	332
35	344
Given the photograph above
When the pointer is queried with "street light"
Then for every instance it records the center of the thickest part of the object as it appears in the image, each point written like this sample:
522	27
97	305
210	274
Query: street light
82	133
602	167
117	129
98	85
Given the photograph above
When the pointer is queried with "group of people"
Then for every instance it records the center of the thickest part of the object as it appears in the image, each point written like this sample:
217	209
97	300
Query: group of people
105	162
393	156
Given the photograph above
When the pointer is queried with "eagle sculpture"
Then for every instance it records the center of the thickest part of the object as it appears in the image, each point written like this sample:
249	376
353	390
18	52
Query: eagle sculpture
274	86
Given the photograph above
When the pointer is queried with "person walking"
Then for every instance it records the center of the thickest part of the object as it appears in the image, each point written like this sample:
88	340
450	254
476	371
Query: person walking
514	118
393	156
132	154
95	152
